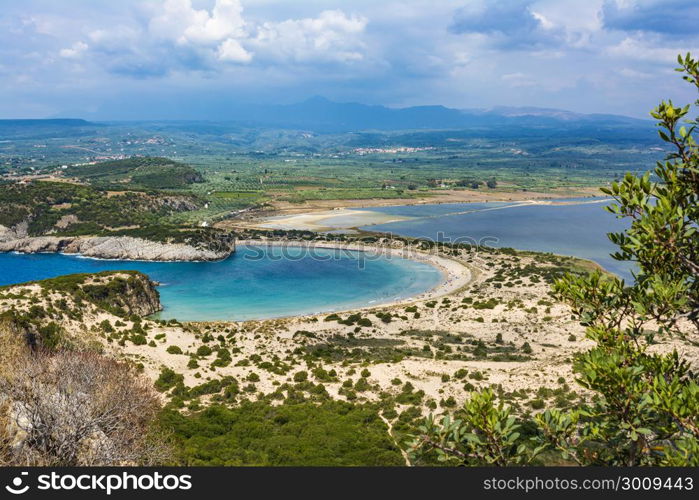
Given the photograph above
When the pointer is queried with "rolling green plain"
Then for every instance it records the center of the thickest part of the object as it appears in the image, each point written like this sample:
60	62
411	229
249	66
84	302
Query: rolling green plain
238	168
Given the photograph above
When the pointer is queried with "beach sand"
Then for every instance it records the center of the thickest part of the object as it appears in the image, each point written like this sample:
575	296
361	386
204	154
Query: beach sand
455	274
328	220
348	220
429	344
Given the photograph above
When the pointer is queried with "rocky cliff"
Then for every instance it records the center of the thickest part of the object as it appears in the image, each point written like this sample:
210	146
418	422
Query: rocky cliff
64	307
116	247
130	292
118	292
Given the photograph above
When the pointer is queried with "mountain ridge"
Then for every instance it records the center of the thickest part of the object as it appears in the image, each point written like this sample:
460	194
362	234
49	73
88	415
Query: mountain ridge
320	114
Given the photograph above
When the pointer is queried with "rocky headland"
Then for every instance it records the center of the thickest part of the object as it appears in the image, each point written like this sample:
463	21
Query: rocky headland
116	247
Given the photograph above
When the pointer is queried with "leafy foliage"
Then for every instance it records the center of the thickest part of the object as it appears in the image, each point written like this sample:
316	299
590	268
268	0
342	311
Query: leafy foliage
332	433
646	405
487	434
647	412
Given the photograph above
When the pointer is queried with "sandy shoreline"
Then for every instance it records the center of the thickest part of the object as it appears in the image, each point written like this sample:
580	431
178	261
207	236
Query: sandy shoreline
348	219
314	221
433	198
509	333
455	275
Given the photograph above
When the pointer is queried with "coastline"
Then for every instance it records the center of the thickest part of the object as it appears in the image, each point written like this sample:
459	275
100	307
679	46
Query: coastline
455	274
321	220
439	197
114	248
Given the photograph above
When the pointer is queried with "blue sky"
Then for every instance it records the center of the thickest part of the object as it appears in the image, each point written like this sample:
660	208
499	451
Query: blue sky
178	58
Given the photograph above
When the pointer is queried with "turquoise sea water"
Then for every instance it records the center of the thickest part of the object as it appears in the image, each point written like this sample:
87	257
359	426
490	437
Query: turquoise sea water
277	282
254	283
578	229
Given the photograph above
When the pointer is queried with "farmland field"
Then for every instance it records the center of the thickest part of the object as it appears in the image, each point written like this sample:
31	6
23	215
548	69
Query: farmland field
239	168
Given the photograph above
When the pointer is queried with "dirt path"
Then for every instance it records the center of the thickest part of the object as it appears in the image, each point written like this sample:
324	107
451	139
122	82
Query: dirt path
390	433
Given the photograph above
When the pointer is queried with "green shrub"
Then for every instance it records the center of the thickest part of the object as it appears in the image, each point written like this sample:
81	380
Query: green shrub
138	339
223	358
168	378
204	351
450	402
537	404
106	326
362	385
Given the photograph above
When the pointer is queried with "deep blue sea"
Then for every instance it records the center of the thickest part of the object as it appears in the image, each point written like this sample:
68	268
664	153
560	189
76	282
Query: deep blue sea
254	283
577	229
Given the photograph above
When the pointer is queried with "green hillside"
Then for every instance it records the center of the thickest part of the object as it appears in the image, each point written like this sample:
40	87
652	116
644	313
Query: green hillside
138	172
60	208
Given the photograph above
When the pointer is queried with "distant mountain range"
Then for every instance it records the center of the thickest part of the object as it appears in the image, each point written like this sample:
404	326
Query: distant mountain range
324	116
44	129
48	122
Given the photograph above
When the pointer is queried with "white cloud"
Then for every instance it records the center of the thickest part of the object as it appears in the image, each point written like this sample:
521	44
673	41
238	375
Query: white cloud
220	30
332	36
543	20
231	50
176	17
75	51
225	21
640	49
178	35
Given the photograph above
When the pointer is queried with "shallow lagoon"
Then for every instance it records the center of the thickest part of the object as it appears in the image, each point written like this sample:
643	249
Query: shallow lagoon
254	283
578	229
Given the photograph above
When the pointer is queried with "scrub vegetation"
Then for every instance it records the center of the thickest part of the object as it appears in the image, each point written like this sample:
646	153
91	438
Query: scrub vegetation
536	359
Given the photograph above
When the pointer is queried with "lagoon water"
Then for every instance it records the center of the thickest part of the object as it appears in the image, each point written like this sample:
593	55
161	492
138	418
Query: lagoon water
277	282
577	229
254	283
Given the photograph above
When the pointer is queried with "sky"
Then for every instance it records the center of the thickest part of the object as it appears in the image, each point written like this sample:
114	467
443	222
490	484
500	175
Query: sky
179	59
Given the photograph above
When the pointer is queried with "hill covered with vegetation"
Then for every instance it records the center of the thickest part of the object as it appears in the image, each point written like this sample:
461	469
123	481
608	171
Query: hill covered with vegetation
137	173
61	208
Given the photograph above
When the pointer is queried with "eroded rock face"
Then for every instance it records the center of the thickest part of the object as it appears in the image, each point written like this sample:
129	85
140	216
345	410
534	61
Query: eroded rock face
136	293
116	247
180	203
13	233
